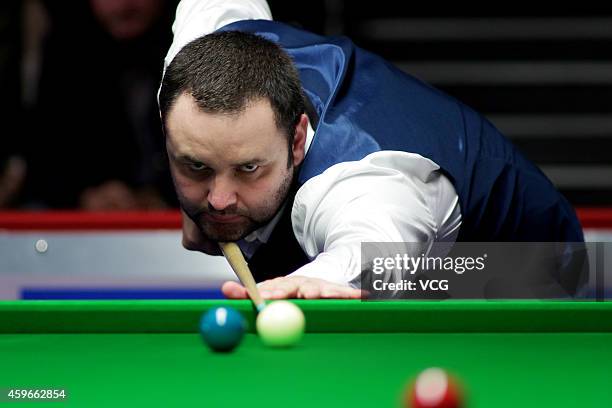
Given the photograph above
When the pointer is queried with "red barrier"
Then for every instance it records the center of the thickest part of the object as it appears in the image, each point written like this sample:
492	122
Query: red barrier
599	218
76	220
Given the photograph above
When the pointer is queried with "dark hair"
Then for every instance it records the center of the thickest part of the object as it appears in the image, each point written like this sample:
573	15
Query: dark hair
224	71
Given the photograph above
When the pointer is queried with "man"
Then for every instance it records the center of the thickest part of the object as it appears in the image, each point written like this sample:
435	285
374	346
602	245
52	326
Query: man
301	147
124	157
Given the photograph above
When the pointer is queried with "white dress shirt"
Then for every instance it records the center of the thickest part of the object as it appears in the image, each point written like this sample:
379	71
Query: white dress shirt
388	196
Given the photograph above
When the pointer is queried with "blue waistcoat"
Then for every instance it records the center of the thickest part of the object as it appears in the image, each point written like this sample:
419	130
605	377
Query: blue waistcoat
365	105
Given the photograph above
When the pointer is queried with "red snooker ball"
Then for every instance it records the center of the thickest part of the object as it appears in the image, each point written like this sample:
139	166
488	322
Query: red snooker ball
434	388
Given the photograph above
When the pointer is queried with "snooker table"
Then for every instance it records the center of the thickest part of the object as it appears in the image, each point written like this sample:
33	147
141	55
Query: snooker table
354	353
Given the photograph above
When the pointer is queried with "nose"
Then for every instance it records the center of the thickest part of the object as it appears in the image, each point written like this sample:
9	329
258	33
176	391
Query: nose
222	193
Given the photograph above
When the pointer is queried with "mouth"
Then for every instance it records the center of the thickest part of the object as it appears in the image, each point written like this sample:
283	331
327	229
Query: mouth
222	219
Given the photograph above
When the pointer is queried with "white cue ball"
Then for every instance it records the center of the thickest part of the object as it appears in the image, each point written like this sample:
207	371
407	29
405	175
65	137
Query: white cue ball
280	324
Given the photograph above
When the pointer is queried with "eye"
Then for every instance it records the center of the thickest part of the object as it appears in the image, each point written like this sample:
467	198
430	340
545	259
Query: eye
195	166
249	168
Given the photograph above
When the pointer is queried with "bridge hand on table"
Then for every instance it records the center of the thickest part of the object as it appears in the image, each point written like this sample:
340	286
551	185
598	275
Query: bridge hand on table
298	287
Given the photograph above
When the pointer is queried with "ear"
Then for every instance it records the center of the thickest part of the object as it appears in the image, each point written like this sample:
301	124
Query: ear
299	141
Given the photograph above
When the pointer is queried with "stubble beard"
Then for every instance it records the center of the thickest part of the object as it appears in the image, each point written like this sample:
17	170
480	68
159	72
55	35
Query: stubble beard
252	220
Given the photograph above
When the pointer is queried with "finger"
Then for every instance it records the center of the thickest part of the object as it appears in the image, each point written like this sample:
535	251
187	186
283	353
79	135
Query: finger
309	290
332	291
276	293
353	294
234	290
280	288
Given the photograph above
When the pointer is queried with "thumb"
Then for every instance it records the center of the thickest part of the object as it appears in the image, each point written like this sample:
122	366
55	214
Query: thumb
234	290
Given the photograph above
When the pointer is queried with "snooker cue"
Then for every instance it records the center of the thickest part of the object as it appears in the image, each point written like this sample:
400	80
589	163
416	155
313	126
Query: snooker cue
234	256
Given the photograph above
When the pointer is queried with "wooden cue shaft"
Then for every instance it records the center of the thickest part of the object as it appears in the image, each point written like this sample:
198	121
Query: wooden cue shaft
234	256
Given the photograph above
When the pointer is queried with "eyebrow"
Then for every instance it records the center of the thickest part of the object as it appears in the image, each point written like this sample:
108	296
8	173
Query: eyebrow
254	161
187	158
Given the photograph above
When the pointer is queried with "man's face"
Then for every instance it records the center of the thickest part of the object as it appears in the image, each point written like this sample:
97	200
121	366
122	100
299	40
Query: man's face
126	19
230	170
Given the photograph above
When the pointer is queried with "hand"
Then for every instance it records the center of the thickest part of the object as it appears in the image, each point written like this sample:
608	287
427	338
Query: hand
11	179
112	195
298	287
193	239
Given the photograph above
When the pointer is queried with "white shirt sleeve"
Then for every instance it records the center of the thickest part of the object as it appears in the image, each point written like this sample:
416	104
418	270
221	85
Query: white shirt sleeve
195	18
388	196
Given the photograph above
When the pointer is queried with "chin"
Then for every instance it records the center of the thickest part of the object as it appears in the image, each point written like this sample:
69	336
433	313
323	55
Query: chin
226	233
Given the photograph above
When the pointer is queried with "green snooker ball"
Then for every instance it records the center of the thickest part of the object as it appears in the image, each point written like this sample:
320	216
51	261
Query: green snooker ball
222	328
280	324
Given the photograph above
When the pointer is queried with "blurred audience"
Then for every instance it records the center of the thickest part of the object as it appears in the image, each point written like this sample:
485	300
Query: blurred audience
95	139
12	177
12	164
